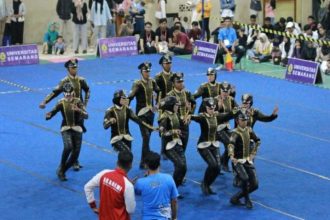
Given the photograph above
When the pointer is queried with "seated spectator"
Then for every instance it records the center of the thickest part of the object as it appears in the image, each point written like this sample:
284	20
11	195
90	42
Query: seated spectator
286	50
308	32
312	23
215	32
323	56
182	44
262	51
163	37
322	32
175	21
326	68
251	32
147	40
296	27
50	38
195	33
276	54
268	25
280	26
242	38
228	43
308	51
59	46
297	50
126	28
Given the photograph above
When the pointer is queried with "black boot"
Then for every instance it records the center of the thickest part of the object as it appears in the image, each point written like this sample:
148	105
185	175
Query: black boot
60	174
235	199
211	192
248	203
205	189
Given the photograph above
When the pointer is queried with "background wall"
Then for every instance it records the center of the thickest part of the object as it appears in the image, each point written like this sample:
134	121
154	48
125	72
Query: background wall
41	12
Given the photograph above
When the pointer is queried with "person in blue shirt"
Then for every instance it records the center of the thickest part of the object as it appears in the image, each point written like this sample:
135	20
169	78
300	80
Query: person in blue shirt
158	191
228	42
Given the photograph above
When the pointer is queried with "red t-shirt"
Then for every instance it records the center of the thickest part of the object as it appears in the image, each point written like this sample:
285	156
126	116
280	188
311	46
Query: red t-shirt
183	39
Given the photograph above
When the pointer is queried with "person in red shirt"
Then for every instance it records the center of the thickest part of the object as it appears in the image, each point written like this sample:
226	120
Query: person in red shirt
117	199
195	33
182	44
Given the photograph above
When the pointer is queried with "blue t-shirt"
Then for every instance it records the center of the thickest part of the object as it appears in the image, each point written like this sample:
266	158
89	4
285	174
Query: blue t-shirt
228	36
157	191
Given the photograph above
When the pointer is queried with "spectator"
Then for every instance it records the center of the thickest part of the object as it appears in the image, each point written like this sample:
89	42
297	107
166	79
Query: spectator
242	38
158	191
185	24
270	10
322	33
177	21
228	43
161	9
195	32
296	27
60	46
255	7
251	32
215	32
286	50
17	22
147	40
100	15
50	38
111	25
262	52
297	50
326	68
137	11
280	26
3	18
308	32
312	23
182	44
63	9
117	199
205	18
268	25
308	51
276	54
79	18
126	28
163	38
228	8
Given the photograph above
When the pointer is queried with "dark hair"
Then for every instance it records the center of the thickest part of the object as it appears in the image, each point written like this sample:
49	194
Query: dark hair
148	23
282	20
162	20
152	160
311	17
59	36
177	28
227	18
125	159
307	27
268	19
288	19
194	23
253	16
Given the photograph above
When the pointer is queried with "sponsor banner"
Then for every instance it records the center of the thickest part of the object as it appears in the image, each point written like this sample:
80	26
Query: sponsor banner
302	71
204	52
19	55
118	46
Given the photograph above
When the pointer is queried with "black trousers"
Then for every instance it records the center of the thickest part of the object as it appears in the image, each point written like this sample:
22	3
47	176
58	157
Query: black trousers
247	174
238	50
184	136
223	136
206	27
122	145
72	144
211	156
17	29
177	156
146	133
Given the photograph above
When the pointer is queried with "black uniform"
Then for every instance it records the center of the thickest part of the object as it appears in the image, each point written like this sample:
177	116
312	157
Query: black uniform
208	145
239	148
120	135
143	90
169	124
71	130
185	98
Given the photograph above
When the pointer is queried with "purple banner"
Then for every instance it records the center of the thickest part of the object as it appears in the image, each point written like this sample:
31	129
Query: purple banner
118	46
204	52
19	55
301	71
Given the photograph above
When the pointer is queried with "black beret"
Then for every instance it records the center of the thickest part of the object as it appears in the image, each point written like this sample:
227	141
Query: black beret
71	63
145	66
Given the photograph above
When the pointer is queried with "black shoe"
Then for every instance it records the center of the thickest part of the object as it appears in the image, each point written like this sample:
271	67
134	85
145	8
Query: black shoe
61	175
205	189
235	201
248	204
211	192
84	51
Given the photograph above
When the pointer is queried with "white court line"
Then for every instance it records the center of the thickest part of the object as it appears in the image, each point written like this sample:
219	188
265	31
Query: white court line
294	168
299	133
